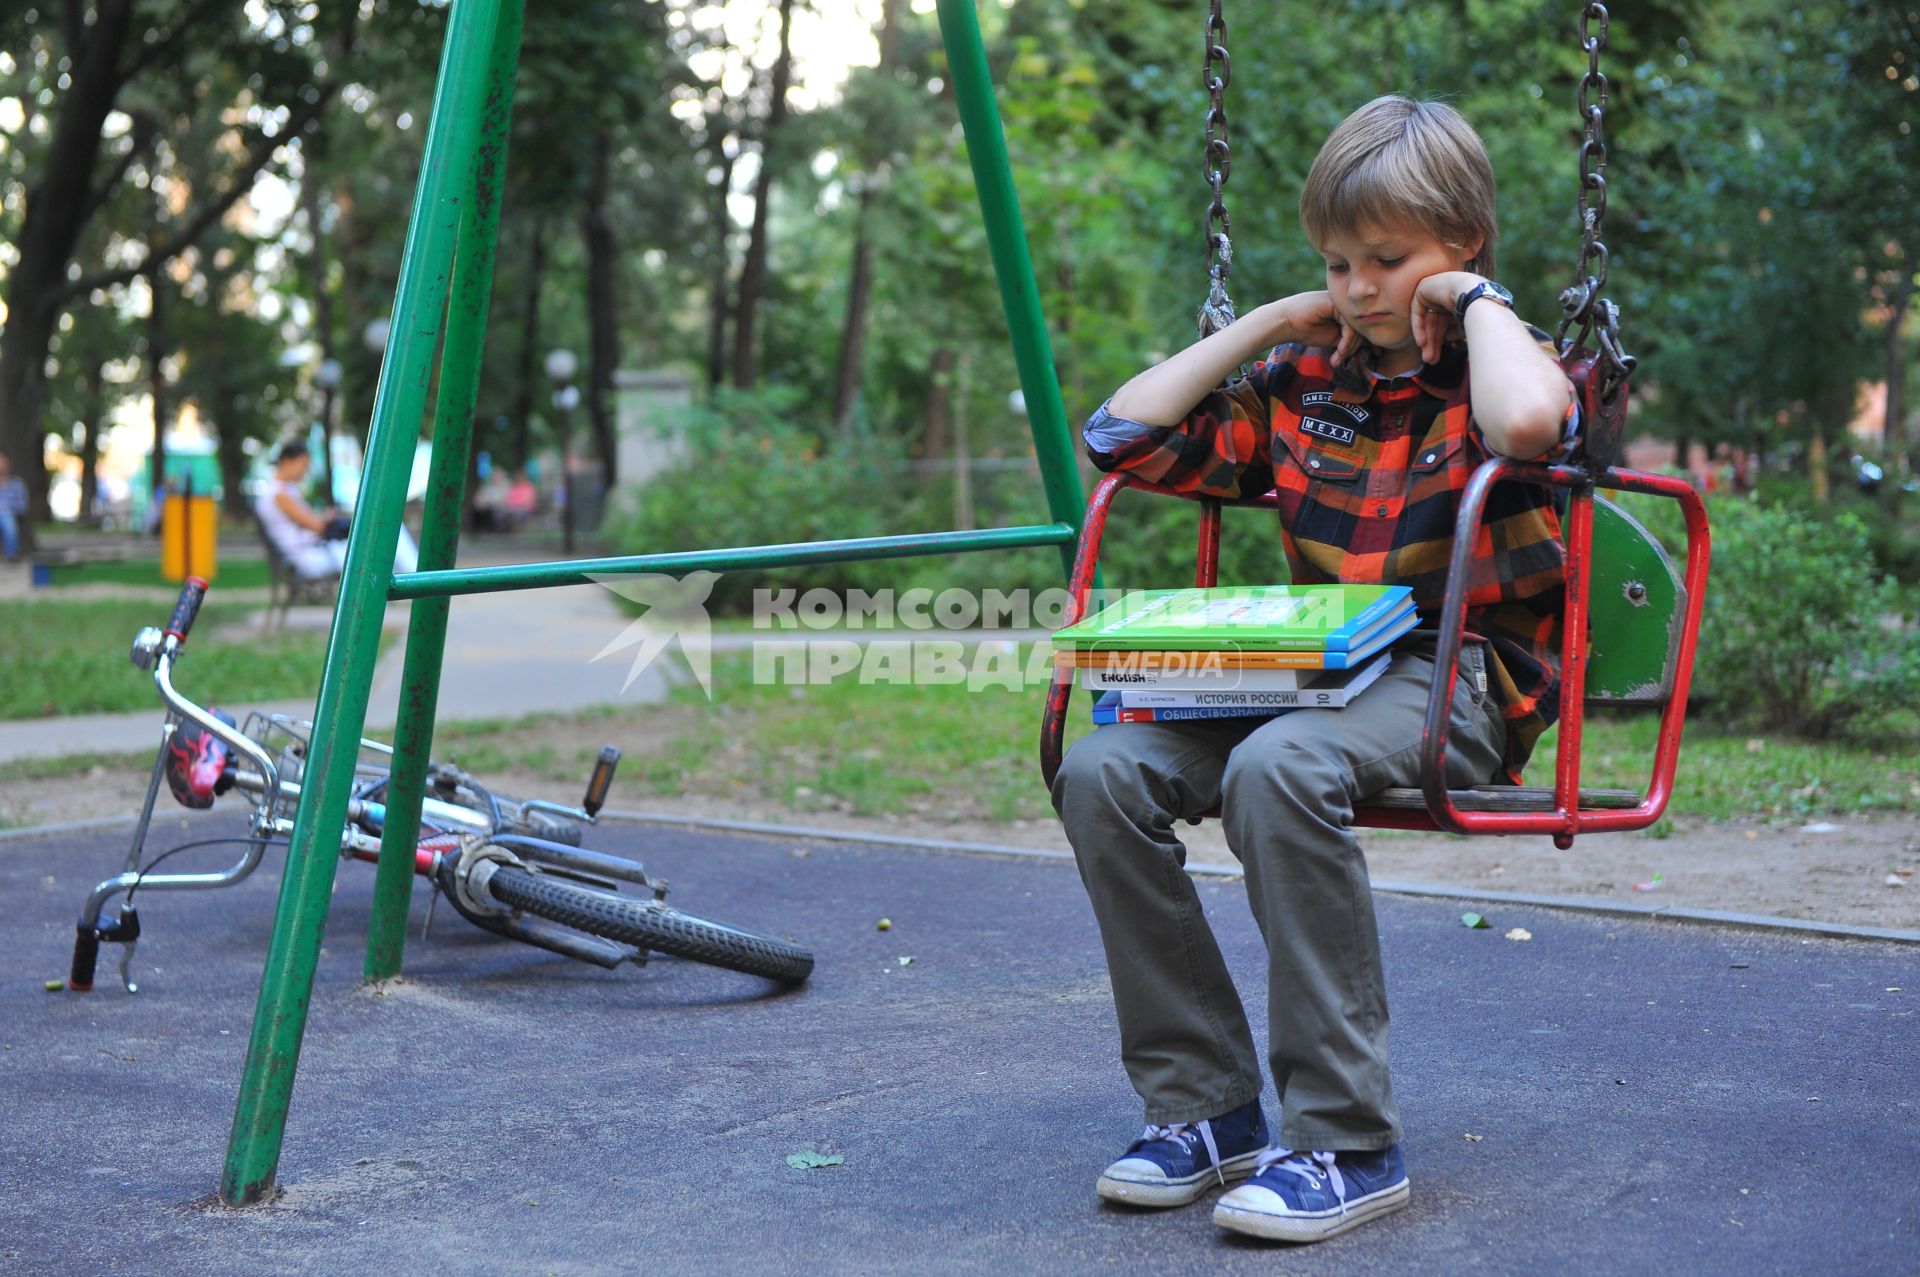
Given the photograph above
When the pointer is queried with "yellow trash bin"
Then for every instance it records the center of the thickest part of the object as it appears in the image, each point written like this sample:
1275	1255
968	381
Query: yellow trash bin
189	535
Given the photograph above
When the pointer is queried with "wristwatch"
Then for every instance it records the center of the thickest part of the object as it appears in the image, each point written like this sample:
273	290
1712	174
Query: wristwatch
1486	288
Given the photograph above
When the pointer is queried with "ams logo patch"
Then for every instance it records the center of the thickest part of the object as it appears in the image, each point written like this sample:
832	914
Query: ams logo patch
1326	430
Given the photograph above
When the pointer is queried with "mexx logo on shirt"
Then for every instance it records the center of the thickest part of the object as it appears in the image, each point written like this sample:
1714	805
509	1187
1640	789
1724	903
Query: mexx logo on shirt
1326	430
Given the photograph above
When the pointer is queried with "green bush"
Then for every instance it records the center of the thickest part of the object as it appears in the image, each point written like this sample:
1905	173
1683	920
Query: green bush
1802	634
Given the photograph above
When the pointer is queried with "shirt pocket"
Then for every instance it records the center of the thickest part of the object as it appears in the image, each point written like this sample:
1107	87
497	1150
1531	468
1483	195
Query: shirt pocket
1321	464
1436	469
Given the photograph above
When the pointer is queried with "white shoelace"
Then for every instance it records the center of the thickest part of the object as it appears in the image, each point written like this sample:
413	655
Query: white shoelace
1308	1166
1154	1134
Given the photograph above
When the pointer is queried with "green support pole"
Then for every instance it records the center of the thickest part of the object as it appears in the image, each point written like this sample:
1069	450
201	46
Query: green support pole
446	503
1012	263
286	984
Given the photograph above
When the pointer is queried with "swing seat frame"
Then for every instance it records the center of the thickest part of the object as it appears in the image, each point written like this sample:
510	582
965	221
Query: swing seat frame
1564	809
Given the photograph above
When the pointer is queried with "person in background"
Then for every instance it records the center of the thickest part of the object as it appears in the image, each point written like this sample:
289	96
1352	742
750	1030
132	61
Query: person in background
13	509
523	500
313	541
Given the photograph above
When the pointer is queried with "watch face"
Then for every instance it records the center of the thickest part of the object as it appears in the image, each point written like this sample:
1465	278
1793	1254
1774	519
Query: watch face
1487	289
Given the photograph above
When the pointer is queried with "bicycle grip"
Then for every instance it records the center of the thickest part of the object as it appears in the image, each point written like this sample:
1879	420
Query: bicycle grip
191	596
86	953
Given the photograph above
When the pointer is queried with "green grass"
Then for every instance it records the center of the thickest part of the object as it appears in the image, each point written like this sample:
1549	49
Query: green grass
234	574
946	752
70	657
1726	776
943	752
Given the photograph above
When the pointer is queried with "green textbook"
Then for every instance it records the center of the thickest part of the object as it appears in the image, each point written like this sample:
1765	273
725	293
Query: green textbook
1315	618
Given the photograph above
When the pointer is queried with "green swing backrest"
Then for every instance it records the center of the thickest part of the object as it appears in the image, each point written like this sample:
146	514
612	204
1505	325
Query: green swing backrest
1636	603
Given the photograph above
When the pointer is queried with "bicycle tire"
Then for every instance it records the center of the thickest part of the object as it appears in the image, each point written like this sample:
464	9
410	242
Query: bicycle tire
649	925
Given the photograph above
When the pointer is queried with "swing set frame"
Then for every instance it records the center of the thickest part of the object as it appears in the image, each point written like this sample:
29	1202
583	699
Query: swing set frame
439	315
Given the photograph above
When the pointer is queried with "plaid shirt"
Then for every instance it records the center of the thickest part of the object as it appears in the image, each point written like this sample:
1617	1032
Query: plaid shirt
1369	483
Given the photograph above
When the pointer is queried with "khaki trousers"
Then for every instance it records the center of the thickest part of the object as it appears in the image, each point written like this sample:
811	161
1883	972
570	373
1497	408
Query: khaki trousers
1286	788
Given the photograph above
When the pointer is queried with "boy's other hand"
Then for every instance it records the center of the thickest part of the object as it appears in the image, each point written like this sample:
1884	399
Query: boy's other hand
1312	320
1433	320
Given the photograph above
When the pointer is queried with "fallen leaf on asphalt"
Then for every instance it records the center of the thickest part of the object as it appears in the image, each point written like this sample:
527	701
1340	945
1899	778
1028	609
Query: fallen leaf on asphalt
807	1159
1519	933
1474	920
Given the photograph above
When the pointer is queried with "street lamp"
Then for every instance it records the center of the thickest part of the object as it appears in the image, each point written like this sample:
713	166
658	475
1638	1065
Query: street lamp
375	334
327	377
561	367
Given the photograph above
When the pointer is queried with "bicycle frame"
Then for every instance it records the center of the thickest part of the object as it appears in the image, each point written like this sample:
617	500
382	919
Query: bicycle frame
275	794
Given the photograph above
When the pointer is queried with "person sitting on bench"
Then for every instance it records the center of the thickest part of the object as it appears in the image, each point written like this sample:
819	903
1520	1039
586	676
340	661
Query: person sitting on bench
313	542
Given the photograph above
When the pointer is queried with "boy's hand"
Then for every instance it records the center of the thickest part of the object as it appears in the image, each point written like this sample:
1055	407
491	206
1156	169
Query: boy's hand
1312	320
1433	320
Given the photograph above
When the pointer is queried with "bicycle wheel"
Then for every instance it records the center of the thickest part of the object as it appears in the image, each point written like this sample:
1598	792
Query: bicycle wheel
650	925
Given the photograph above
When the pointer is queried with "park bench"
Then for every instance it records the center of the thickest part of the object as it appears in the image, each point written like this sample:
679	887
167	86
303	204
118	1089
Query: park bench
285	587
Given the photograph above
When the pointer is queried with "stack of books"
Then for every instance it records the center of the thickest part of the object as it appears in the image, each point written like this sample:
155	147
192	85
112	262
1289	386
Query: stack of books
1234	651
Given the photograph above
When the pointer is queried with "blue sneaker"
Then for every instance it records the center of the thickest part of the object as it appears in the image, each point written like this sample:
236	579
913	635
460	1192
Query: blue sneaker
1173	1165
1309	1197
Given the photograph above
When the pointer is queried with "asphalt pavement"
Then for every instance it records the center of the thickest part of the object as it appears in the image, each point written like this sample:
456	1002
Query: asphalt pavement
1610	1096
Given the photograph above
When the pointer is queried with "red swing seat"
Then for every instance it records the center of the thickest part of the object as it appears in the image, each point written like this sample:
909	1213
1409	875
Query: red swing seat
1631	569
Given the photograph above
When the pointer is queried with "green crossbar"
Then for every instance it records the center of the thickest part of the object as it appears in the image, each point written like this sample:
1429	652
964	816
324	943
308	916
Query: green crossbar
447	270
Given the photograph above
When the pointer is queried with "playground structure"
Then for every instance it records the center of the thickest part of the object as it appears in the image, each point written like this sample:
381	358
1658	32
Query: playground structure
446	271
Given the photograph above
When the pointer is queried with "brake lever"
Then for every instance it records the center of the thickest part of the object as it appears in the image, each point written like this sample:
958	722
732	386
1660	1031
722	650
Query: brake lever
126	966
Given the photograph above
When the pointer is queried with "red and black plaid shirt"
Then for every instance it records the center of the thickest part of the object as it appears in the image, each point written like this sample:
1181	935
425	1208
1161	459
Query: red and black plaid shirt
1369	485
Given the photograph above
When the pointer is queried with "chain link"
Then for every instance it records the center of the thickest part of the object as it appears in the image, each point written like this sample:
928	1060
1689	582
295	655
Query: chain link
1582	303
1217	164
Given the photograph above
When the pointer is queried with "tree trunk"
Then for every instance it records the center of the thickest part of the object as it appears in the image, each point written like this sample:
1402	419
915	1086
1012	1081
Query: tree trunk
528	369
233	468
157	387
962	457
1817	466
718	290
603	315
1893	433
90	442
753	274
853	332
56	212
936	432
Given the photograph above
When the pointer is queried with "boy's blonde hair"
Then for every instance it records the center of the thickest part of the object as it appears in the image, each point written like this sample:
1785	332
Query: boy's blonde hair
1396	162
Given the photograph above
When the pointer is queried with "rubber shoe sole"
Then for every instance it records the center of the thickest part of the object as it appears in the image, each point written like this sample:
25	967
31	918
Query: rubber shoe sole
1159	1191
1308	1227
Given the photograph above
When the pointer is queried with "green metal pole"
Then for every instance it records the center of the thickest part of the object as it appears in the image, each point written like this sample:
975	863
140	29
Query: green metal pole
446	503
286	984
534	576
1012	263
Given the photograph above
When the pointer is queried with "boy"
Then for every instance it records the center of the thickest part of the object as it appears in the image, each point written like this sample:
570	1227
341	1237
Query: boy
1365	423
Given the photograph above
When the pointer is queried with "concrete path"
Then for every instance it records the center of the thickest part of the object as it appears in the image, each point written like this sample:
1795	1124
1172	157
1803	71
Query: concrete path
1612	1096
507	655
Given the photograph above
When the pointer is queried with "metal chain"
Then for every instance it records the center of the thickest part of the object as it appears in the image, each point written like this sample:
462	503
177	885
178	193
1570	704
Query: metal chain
1217	311
1582	303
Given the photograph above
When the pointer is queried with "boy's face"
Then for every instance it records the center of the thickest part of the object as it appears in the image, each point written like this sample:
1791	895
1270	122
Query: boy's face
1372	273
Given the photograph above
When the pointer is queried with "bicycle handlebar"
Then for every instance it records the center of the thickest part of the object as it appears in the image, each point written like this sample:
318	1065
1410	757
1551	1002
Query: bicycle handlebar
192	594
